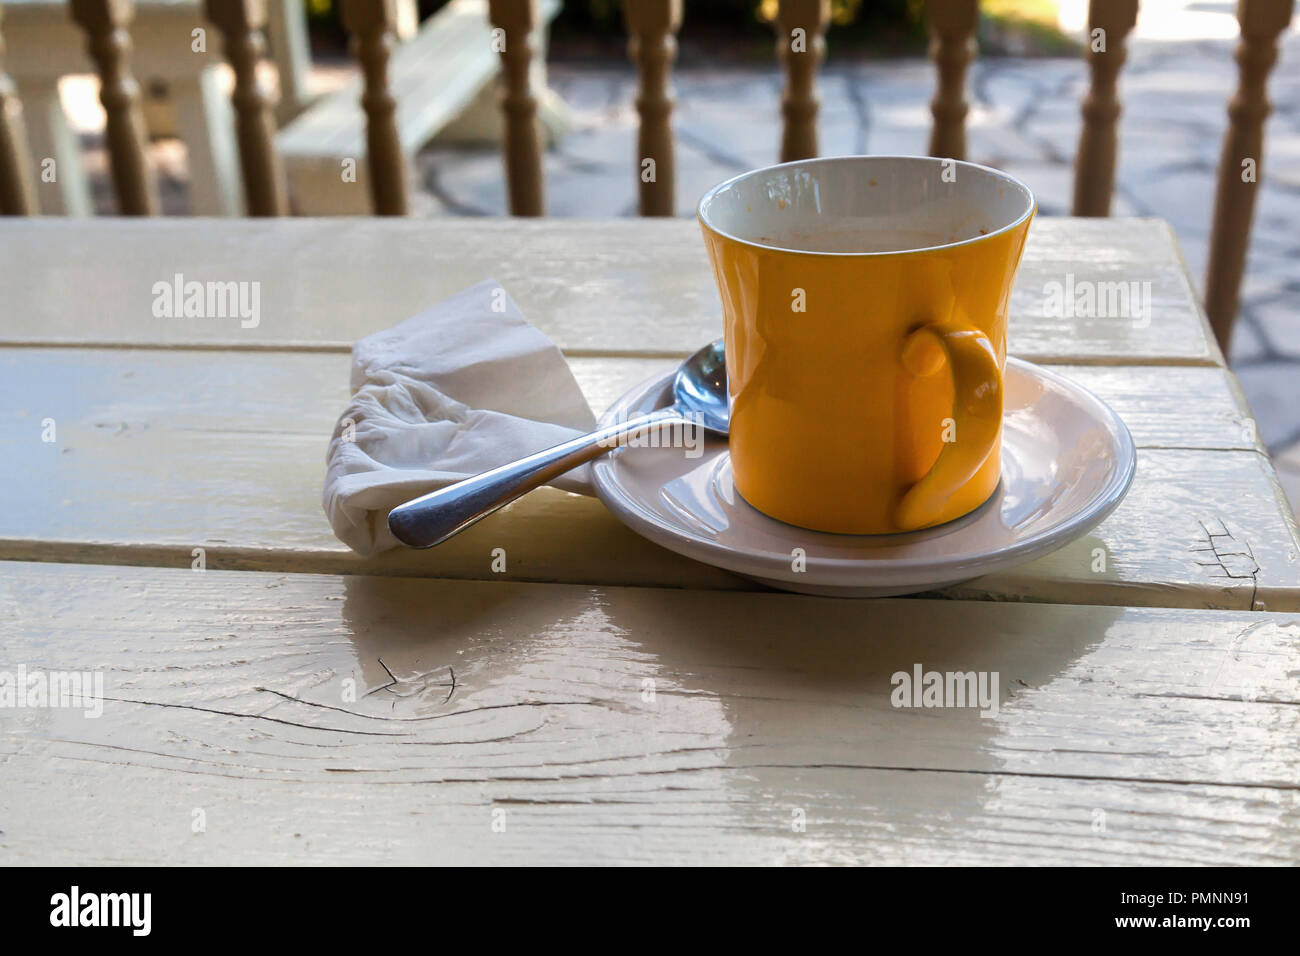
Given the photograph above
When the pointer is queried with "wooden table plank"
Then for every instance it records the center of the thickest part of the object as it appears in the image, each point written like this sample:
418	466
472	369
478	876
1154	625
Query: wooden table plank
638	287
159	453
597	734
1197	529
1154	551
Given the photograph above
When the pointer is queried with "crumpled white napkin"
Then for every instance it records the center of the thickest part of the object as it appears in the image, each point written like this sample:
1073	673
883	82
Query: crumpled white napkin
464	387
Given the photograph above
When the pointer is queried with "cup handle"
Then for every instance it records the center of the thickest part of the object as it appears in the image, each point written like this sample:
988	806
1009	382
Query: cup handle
976	413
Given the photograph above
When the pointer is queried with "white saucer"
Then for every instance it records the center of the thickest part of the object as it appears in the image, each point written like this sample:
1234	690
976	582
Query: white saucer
1067	461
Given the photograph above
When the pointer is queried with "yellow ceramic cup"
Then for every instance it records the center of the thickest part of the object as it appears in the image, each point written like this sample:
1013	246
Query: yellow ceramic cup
865	304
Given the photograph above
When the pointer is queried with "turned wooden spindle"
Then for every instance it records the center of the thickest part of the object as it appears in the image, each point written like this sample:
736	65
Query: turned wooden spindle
373	25
1241	163
109	43
1109	22
513	22
241	23
952	46
17	177
652	44
800	48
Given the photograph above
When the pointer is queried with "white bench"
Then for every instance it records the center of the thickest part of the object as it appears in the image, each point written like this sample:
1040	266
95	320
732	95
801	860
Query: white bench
442	79
44	45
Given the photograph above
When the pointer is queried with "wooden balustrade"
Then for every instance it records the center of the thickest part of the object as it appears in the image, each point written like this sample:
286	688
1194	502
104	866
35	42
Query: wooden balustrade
513	22
373	25
652	44
241	23
109	43
1109	23
952	46
800	48
17	178
1241	162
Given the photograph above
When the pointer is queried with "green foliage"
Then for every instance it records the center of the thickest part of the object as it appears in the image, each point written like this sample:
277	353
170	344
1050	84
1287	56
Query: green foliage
741	29
605	17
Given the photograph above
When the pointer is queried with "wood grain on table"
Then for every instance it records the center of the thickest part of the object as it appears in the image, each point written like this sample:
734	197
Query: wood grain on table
359	719
624	287
161	452
230	423
390	710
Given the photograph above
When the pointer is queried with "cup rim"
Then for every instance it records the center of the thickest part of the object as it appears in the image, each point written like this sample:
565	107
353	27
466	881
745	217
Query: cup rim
771	247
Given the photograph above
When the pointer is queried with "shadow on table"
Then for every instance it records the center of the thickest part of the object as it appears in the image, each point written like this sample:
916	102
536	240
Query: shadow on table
772	705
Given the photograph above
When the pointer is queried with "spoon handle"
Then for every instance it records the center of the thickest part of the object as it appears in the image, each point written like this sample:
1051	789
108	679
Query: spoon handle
439	515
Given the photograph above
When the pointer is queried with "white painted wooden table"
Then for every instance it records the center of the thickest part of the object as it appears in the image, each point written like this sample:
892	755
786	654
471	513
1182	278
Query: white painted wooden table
603	700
